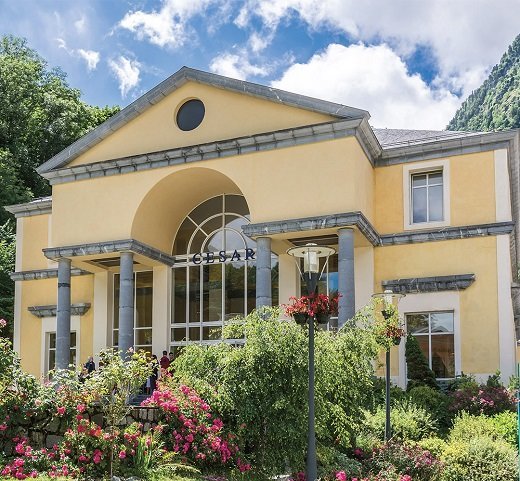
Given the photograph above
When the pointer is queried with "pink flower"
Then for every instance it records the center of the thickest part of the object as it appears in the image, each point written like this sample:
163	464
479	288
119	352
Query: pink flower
60	411
3	323
122	454
81	408
20	448
3	427
341	476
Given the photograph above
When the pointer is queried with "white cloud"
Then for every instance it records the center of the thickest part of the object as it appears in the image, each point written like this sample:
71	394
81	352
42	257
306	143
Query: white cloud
127	73
167	27
466	37
372	78
90	56
236	66
81	25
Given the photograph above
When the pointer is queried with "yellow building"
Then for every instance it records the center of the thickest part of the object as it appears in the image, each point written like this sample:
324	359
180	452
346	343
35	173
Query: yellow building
176	214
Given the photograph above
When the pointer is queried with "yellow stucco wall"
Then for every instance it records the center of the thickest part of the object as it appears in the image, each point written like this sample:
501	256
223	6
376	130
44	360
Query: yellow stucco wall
478	303
35	237
471	188
314	179
228	115
41	293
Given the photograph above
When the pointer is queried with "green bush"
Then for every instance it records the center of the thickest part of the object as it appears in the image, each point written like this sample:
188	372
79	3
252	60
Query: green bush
435	445
379	394
479	458
433	401
506	424
419	373
331	460
502	427
409	422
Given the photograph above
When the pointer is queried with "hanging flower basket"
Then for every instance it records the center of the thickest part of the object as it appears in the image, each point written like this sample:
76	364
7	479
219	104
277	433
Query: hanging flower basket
320	307
323	319
300	318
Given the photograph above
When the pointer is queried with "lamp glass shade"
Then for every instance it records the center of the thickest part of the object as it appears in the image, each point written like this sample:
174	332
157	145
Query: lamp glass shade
311	255
311	262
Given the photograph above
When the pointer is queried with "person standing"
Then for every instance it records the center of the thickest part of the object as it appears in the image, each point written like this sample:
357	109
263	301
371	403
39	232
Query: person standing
151	382
90	365
164	362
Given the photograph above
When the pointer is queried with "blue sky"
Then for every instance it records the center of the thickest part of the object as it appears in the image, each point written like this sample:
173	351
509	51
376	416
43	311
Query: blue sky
410	63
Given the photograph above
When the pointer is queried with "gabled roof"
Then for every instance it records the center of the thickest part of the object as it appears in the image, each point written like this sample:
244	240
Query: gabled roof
394	137
175	81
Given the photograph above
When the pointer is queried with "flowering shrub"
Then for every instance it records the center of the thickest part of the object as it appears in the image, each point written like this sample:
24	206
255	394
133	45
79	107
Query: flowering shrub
89	447
482	400
30	463
192	430
404	460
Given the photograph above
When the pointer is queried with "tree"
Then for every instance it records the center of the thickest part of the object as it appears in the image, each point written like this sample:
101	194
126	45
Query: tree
419	372
40	115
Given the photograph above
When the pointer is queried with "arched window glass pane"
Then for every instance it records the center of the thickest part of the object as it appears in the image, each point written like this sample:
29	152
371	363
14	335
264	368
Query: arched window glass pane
207	209
215	243
234	241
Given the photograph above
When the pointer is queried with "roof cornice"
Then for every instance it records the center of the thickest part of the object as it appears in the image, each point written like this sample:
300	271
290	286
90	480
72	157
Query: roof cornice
40	206
436	148
358	128
124	245
175	81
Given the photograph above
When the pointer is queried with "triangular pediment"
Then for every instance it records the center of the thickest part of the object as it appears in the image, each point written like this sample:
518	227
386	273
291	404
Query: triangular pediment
232	109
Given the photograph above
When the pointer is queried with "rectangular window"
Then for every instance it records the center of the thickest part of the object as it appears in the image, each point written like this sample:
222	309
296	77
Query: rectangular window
143	311
434	332
51	350
427	197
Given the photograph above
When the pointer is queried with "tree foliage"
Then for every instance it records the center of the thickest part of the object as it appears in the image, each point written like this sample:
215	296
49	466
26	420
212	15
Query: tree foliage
40	115
496	104
419	372
261	388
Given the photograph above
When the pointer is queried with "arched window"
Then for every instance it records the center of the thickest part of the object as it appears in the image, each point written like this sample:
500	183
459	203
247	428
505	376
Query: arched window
214	275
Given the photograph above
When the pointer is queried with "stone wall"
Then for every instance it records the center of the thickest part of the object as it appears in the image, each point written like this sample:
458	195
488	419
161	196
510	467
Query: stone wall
46	431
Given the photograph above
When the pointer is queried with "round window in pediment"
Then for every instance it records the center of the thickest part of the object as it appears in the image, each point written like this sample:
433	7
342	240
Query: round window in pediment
190	115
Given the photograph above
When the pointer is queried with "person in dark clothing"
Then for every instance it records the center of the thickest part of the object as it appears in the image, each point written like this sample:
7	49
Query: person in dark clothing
90	365
164	362
151	384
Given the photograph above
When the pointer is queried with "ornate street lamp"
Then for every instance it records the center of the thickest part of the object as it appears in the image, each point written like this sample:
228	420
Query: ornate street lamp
311	255
389	298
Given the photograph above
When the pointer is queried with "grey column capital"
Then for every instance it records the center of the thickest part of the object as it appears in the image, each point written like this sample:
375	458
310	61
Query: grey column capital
346	286
263	272
126	303
63	315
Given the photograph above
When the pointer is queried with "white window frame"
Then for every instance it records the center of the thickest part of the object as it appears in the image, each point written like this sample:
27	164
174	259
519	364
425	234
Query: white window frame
431	302
48	326
431	334
425	168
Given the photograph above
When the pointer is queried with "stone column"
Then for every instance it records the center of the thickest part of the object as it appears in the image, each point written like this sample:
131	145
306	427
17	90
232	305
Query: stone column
126	302
63	315
346	287
263	272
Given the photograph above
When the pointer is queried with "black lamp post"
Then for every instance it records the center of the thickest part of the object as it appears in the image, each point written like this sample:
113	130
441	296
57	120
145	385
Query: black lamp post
311	254
388	298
